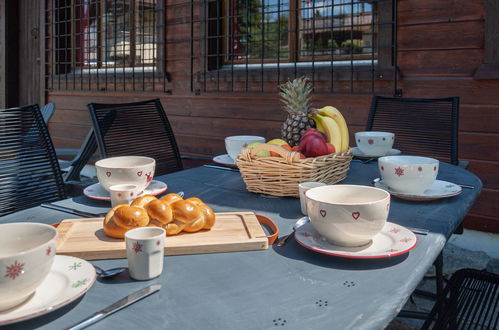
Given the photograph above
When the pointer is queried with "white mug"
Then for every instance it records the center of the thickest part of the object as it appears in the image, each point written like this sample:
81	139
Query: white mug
145	252
123	194
302	188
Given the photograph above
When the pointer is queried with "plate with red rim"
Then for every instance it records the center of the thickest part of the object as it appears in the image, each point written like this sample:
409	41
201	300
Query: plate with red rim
393	240
96	191
224	160
68	279
438	189
357	153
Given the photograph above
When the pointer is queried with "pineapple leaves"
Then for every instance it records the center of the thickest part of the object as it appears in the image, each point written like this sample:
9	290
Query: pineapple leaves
296	95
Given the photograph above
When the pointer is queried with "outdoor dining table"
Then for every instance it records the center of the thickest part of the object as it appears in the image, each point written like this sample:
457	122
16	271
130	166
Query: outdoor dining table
281	287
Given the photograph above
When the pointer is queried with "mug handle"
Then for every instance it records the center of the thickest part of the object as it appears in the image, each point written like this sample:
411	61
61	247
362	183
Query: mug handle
270	224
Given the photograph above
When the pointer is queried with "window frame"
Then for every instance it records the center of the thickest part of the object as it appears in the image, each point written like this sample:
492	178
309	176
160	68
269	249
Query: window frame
295	38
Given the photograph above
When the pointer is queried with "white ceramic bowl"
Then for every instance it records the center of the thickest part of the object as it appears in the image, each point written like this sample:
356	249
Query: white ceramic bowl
234	144
136	170
348	215
408	174
374	143
26	256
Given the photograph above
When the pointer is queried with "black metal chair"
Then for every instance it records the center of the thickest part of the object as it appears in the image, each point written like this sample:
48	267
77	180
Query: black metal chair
29	170
47	111
425	127
470	301
140	129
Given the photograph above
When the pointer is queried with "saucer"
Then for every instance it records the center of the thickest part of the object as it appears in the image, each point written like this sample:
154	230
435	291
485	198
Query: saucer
224	160
96	191
438	189
360	155
68	279
391	241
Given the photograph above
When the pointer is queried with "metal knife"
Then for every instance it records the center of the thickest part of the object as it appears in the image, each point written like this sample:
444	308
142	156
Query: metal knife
122	303
71	210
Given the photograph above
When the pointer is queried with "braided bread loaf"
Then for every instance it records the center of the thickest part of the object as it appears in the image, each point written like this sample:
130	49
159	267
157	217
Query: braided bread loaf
170	212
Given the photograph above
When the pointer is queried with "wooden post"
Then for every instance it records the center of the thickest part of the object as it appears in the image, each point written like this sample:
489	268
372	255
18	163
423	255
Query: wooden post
3	44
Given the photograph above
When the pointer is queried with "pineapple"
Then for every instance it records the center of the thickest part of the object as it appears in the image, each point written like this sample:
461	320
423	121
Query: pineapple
295	95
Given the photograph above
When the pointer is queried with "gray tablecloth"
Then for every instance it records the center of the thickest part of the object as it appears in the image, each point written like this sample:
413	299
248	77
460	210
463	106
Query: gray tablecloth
283	287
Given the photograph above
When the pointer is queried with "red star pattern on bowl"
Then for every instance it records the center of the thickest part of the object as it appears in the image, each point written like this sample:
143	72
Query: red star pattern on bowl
14	270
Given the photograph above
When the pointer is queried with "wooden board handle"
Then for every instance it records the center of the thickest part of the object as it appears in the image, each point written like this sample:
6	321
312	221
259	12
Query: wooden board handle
269	223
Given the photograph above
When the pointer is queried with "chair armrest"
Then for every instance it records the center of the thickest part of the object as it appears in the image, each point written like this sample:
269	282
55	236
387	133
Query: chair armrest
66	151
463	163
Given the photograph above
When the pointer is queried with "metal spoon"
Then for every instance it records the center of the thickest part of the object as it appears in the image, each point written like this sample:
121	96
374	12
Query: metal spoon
298	224
108	273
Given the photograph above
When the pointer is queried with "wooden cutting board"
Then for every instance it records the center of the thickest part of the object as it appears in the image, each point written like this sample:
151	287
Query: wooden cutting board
233	231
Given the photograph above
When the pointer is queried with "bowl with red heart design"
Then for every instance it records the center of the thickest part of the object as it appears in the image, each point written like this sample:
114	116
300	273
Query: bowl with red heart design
135	170
408	174
373	143
348	215
26	257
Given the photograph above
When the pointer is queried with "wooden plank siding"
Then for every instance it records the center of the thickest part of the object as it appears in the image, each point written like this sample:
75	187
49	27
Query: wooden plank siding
440	46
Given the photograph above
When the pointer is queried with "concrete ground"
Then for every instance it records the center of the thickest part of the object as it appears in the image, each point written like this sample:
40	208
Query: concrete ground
455	257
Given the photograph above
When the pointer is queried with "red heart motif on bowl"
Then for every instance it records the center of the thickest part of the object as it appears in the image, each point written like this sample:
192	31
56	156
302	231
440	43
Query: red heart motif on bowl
108	174
139	173
355	215
323	213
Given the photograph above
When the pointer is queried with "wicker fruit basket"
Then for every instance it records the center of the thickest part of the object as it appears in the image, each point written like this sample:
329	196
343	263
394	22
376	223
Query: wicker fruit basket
280	176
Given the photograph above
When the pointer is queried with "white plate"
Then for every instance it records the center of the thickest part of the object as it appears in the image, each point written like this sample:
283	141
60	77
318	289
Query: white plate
224	160
68	279
96	191
393	240
438	189
360	155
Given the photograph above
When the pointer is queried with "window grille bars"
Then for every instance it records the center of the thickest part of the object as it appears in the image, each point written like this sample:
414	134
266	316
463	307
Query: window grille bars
105	45
344	46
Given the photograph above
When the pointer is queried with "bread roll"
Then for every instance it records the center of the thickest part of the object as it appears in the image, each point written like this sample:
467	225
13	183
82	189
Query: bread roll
159	212
122	218
170	212
209	215
170	198
142	201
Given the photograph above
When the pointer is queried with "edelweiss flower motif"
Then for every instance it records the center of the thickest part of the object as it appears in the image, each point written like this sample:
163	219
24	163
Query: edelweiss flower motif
14	270
137	247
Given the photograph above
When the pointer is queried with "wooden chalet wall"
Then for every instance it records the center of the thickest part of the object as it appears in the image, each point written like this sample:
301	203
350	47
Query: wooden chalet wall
440	46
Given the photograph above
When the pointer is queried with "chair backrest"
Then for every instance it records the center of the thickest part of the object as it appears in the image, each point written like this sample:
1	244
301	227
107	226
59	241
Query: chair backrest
139	129
469	301
86	151
29	170
48	111
426	127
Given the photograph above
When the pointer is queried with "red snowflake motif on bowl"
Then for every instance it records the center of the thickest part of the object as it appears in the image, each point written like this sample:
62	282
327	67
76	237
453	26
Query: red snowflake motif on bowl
394	230
399	171
137	247
158	242
435	168
384	139
370	141
382	168
420	169
14	270
49	249
405	240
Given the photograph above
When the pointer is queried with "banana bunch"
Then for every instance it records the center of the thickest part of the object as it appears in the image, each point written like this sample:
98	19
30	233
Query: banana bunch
331	122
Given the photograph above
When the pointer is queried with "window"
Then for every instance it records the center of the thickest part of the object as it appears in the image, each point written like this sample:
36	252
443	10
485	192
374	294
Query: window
269	41
277	29
90	40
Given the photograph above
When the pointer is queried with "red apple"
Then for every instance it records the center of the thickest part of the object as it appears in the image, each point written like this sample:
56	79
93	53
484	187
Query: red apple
313	131
330	148
313	145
